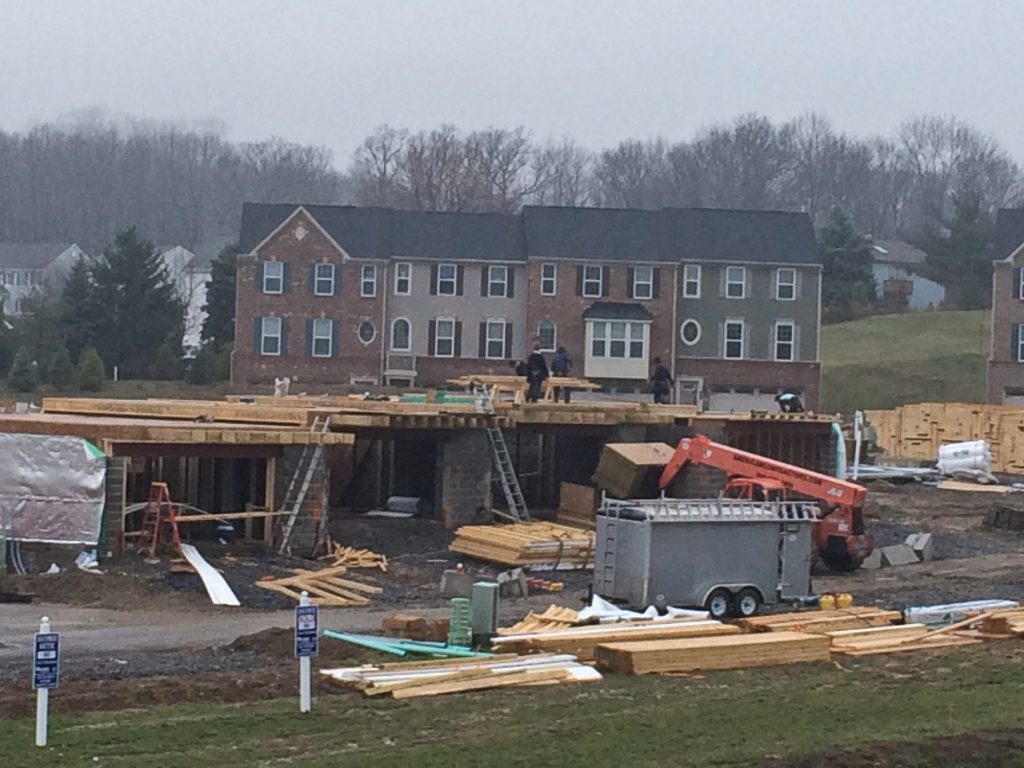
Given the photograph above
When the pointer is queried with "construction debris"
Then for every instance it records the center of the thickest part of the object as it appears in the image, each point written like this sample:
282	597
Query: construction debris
354	558
820	622
325	587
554	617
415	627
538	545
216	587
935	615
896	639
898	554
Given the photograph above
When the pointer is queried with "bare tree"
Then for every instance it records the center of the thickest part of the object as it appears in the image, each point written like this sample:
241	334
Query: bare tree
632	175
562	174
377	167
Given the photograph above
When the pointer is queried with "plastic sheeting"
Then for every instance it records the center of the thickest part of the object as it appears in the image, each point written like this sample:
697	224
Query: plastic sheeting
51	489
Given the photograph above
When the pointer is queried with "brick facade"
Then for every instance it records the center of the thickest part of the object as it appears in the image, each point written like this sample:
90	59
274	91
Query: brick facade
1005	370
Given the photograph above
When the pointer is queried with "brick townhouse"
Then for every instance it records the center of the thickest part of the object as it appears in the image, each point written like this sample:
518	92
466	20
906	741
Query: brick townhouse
346	295
1006	357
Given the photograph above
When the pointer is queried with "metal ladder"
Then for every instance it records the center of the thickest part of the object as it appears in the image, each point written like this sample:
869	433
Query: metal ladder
502	459
294	503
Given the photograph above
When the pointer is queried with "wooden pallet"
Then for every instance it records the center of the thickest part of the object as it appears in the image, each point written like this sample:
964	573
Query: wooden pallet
325	587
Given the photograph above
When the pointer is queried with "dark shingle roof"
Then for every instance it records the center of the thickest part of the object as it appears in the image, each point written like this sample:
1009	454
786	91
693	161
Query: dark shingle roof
616	310
896	252
1009	232
30	255
671	235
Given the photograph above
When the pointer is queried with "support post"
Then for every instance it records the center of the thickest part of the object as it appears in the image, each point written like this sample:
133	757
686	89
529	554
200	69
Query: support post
304	665
42	696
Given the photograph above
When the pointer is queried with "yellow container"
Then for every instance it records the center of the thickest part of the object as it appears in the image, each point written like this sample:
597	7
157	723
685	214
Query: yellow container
844	600
826	602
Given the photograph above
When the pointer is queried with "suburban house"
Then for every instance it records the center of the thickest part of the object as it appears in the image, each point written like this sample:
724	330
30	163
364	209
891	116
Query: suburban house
1006	357
898	284
26	267
189	271
729	300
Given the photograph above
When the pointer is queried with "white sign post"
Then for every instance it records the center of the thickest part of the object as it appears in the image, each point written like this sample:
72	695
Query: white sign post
307	626
45	674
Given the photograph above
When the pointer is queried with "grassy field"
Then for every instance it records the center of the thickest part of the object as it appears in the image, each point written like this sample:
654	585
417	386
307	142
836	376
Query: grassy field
883	361
729	718
129	389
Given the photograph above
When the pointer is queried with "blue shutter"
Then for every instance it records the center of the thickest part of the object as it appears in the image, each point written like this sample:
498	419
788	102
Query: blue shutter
284	277
259	276
312	278
309	337
284	336
257	327
334	338
1015	351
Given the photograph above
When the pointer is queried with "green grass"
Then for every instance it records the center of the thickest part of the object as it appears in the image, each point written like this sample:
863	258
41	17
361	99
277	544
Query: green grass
725	719
889	360
126	389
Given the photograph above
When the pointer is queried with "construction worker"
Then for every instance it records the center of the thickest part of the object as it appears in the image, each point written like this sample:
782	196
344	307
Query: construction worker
561	364
661	383
789	402
536	374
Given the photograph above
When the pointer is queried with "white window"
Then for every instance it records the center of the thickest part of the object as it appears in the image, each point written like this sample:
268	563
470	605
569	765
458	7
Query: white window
273	277
401	335
444	337
323	280
735	282
734	333
785	284
495	341
643	283
785	334
617	339
548	274
691	281
322	344
447	279
368	283
546	335
689	332
270	336
403	278
497	281
593	281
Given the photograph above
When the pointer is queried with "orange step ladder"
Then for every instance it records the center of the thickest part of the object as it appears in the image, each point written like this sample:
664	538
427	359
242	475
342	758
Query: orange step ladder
159	513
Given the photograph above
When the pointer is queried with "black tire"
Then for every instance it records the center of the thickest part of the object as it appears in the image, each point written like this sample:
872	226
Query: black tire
719	603
836	558
748	603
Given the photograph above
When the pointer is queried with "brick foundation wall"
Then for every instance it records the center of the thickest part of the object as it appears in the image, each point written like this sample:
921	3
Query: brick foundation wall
756	373
464	478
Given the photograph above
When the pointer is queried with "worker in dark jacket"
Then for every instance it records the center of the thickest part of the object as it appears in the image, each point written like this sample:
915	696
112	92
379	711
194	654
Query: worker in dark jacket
661	383
561	364
789	402
536	374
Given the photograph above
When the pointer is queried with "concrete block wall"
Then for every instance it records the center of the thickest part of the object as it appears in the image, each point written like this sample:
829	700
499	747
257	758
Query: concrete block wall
115	489
303	535
464	478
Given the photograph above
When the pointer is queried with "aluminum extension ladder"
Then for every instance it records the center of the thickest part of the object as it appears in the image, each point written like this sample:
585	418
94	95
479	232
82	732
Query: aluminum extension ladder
507	479
306	467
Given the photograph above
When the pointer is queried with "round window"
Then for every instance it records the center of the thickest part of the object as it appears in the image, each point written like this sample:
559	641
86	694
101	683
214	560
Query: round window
689	332
366	331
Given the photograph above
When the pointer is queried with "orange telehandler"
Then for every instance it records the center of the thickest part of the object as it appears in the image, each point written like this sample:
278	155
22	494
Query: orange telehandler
838	536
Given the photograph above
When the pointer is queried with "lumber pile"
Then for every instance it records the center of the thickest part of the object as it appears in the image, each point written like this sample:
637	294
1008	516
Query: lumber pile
577	505
895	639
719	652
583	641
818	622
1007	622
553	617
355	558
539	545
325	587
433	678
631	470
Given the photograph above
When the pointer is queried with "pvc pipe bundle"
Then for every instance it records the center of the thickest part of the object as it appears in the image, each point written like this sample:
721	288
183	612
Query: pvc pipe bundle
970	455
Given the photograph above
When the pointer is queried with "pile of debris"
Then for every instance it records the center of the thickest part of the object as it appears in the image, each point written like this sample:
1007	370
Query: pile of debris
538	545
325	587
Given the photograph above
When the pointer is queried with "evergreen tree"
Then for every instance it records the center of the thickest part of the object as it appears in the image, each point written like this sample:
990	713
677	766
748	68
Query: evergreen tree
848	286
137	310
219	325
24	372
91	373
209	365
960	258
38	326
59	370
167	363
78	314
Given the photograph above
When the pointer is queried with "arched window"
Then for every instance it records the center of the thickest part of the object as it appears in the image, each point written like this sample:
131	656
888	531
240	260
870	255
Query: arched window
401	334
546	335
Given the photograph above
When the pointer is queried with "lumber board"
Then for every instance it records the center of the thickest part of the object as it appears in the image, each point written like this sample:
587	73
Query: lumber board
933	645
817	622
186	410
494	679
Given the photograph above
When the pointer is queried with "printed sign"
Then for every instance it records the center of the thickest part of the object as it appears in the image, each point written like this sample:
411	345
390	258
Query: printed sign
307	623
46	660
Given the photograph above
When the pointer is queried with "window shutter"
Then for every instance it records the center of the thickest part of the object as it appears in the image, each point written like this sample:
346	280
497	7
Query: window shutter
458	334
508	339
1015	350
605	272
774	285
433	285
458	279
337	281
485	274
655	282
312	278
259	276
796	342
431	337
257	327
334	336
579	281
630	282
309	337
284	336
483	339
511	291
284	277
1016	287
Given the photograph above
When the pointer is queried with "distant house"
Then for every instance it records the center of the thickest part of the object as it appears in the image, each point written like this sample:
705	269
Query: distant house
189	272
1006	358
26	267
897	283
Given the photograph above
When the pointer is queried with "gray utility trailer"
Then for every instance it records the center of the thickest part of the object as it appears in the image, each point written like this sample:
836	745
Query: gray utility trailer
728	556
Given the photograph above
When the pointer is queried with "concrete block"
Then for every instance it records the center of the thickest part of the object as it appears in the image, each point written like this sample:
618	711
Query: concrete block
923	545
513	583
898	554
455	584
873	561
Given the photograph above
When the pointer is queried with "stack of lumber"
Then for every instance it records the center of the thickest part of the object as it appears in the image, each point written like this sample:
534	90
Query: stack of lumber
582	641
355	558
577	505
415	627
1007	622
721	652
545	545
631	470
897	639
817	622
325	587
553	617
432	678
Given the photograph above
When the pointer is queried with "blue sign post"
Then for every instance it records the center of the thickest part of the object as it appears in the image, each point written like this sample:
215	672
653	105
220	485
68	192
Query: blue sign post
307	630
45	674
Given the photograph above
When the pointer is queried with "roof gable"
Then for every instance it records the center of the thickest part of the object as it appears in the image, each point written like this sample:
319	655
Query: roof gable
1009	233
30	255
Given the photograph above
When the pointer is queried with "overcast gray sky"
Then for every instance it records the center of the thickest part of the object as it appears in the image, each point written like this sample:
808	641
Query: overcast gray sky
328	72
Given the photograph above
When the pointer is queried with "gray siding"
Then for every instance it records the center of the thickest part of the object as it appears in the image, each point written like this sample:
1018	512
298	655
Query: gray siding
471	308
759	309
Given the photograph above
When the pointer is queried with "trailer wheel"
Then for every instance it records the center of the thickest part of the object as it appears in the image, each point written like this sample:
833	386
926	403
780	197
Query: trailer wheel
719	603
748	603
